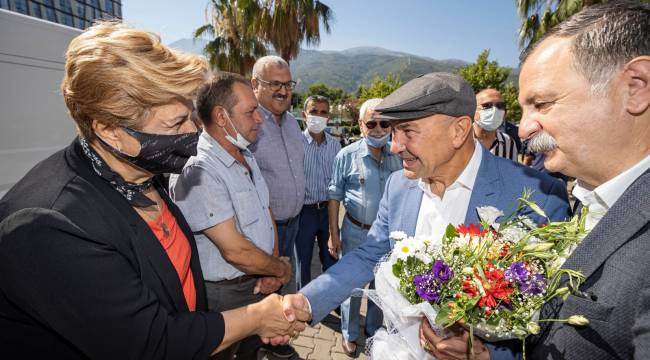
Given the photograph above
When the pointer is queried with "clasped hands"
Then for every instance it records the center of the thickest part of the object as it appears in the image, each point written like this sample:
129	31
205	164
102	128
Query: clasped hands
282	317
271	284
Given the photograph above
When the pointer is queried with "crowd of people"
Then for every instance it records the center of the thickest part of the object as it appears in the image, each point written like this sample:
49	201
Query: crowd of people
102	257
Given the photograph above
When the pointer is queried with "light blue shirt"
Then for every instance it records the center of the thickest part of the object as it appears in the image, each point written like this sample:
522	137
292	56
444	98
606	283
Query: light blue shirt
215	187
319	159
358	180
280	155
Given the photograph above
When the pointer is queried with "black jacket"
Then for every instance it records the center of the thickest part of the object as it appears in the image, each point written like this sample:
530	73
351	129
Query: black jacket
82	275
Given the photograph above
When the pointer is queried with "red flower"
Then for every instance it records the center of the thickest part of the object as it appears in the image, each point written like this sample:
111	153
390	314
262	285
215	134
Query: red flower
504	250
496	288
471	230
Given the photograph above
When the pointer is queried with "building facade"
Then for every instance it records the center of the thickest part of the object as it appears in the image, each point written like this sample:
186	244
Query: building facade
79	14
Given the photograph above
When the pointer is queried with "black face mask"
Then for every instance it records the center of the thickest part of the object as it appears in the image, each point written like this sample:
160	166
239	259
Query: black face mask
160	153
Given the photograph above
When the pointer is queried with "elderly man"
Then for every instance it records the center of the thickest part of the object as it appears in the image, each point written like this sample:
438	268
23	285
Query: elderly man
585	95
446	175
225	200
320	150
489	116
358	180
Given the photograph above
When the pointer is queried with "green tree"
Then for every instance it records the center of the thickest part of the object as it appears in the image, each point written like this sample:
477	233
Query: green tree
485	74
235	45
286	24
539	16
378	88
335	95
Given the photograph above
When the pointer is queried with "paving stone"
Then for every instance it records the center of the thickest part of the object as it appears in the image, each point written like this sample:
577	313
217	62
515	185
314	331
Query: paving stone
303	352
303	341
322	349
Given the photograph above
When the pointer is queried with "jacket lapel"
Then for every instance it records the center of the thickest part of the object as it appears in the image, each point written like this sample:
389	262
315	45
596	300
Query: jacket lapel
624	219
410	208
487	187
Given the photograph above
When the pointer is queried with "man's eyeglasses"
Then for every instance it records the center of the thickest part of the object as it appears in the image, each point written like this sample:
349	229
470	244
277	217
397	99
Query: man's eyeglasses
373	124
499	105
277	85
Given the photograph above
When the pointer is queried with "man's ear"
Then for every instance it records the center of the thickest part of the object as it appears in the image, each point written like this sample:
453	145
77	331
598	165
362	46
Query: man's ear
461	130
254	84
636	79
217	117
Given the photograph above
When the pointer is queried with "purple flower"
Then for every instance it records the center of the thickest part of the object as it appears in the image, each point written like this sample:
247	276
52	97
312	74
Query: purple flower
516	272
441	271
426	287
535	285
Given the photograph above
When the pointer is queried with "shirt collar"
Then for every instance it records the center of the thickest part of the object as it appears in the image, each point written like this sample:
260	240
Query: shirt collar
609	192
310	139
467	178
212	147
268	115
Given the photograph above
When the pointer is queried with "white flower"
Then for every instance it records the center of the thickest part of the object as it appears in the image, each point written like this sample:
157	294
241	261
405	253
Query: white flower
489	214
398	235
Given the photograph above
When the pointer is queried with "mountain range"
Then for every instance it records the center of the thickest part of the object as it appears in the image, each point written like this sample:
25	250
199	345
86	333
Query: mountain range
349	68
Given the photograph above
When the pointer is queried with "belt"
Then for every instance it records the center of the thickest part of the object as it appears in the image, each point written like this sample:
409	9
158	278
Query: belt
237	280
357	222
318	205
286	221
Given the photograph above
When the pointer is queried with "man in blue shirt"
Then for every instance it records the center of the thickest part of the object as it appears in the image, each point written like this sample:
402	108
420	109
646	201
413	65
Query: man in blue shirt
358	179
320	150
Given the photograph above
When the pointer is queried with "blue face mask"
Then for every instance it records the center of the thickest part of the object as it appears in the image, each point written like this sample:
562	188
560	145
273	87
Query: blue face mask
377	142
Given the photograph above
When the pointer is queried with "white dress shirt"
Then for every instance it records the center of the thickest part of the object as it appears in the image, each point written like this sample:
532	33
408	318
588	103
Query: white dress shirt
600	199
436	213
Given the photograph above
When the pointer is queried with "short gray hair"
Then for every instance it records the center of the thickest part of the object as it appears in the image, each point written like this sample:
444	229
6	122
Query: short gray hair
368	105
605	37
316	98
270	60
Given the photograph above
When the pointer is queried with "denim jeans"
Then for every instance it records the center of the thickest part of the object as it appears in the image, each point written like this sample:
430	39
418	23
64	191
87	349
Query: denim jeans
313	224
287	232
352	237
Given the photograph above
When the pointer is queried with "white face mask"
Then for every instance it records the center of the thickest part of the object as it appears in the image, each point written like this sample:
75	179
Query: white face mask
241	142
316	124
490	119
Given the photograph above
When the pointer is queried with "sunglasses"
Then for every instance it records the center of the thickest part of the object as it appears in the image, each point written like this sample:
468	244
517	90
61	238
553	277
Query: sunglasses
373	124
277	85
499	105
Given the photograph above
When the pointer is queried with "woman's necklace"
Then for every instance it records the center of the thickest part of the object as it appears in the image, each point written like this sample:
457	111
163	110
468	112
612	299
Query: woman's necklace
159	220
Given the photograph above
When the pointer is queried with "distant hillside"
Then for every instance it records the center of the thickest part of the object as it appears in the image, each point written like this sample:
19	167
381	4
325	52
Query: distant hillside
349	68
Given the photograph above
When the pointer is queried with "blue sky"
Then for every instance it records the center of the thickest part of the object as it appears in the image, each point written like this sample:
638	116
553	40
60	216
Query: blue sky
440	29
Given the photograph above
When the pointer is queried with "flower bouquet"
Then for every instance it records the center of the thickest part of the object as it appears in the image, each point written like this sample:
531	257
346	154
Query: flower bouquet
491	277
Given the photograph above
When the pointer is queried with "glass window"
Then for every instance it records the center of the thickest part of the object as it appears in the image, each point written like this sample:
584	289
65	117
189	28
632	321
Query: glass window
21	6
66	18
4	4
108	6
36	10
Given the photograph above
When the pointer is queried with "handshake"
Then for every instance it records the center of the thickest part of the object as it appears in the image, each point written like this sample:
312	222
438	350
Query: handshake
281	318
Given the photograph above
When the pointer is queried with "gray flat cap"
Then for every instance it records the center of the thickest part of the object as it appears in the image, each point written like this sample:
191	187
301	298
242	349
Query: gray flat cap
429	94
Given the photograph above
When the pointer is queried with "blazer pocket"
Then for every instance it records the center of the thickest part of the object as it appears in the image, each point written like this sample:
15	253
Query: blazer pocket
592	310
246	206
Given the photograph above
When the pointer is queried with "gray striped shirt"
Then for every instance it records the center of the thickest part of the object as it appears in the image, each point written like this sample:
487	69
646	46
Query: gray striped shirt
280	155
504	146
319	159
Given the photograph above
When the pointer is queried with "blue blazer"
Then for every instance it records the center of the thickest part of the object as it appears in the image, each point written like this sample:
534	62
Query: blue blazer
499	183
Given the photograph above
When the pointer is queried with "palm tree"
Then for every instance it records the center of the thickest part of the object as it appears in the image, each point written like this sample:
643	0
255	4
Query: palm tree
539	16
286	24
235	45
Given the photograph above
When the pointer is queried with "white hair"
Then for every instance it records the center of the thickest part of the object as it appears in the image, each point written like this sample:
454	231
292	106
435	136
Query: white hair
368	105
270	60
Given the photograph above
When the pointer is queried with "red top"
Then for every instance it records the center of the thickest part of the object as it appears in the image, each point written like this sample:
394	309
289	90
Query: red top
178	249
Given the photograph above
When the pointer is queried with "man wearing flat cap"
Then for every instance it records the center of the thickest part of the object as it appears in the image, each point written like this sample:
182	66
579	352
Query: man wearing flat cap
447	175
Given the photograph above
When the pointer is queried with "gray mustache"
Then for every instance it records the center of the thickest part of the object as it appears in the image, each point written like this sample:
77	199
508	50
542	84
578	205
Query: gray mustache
542	142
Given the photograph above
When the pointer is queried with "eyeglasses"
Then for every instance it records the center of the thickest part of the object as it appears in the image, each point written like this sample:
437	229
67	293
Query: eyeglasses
499	105
277	85
373	124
